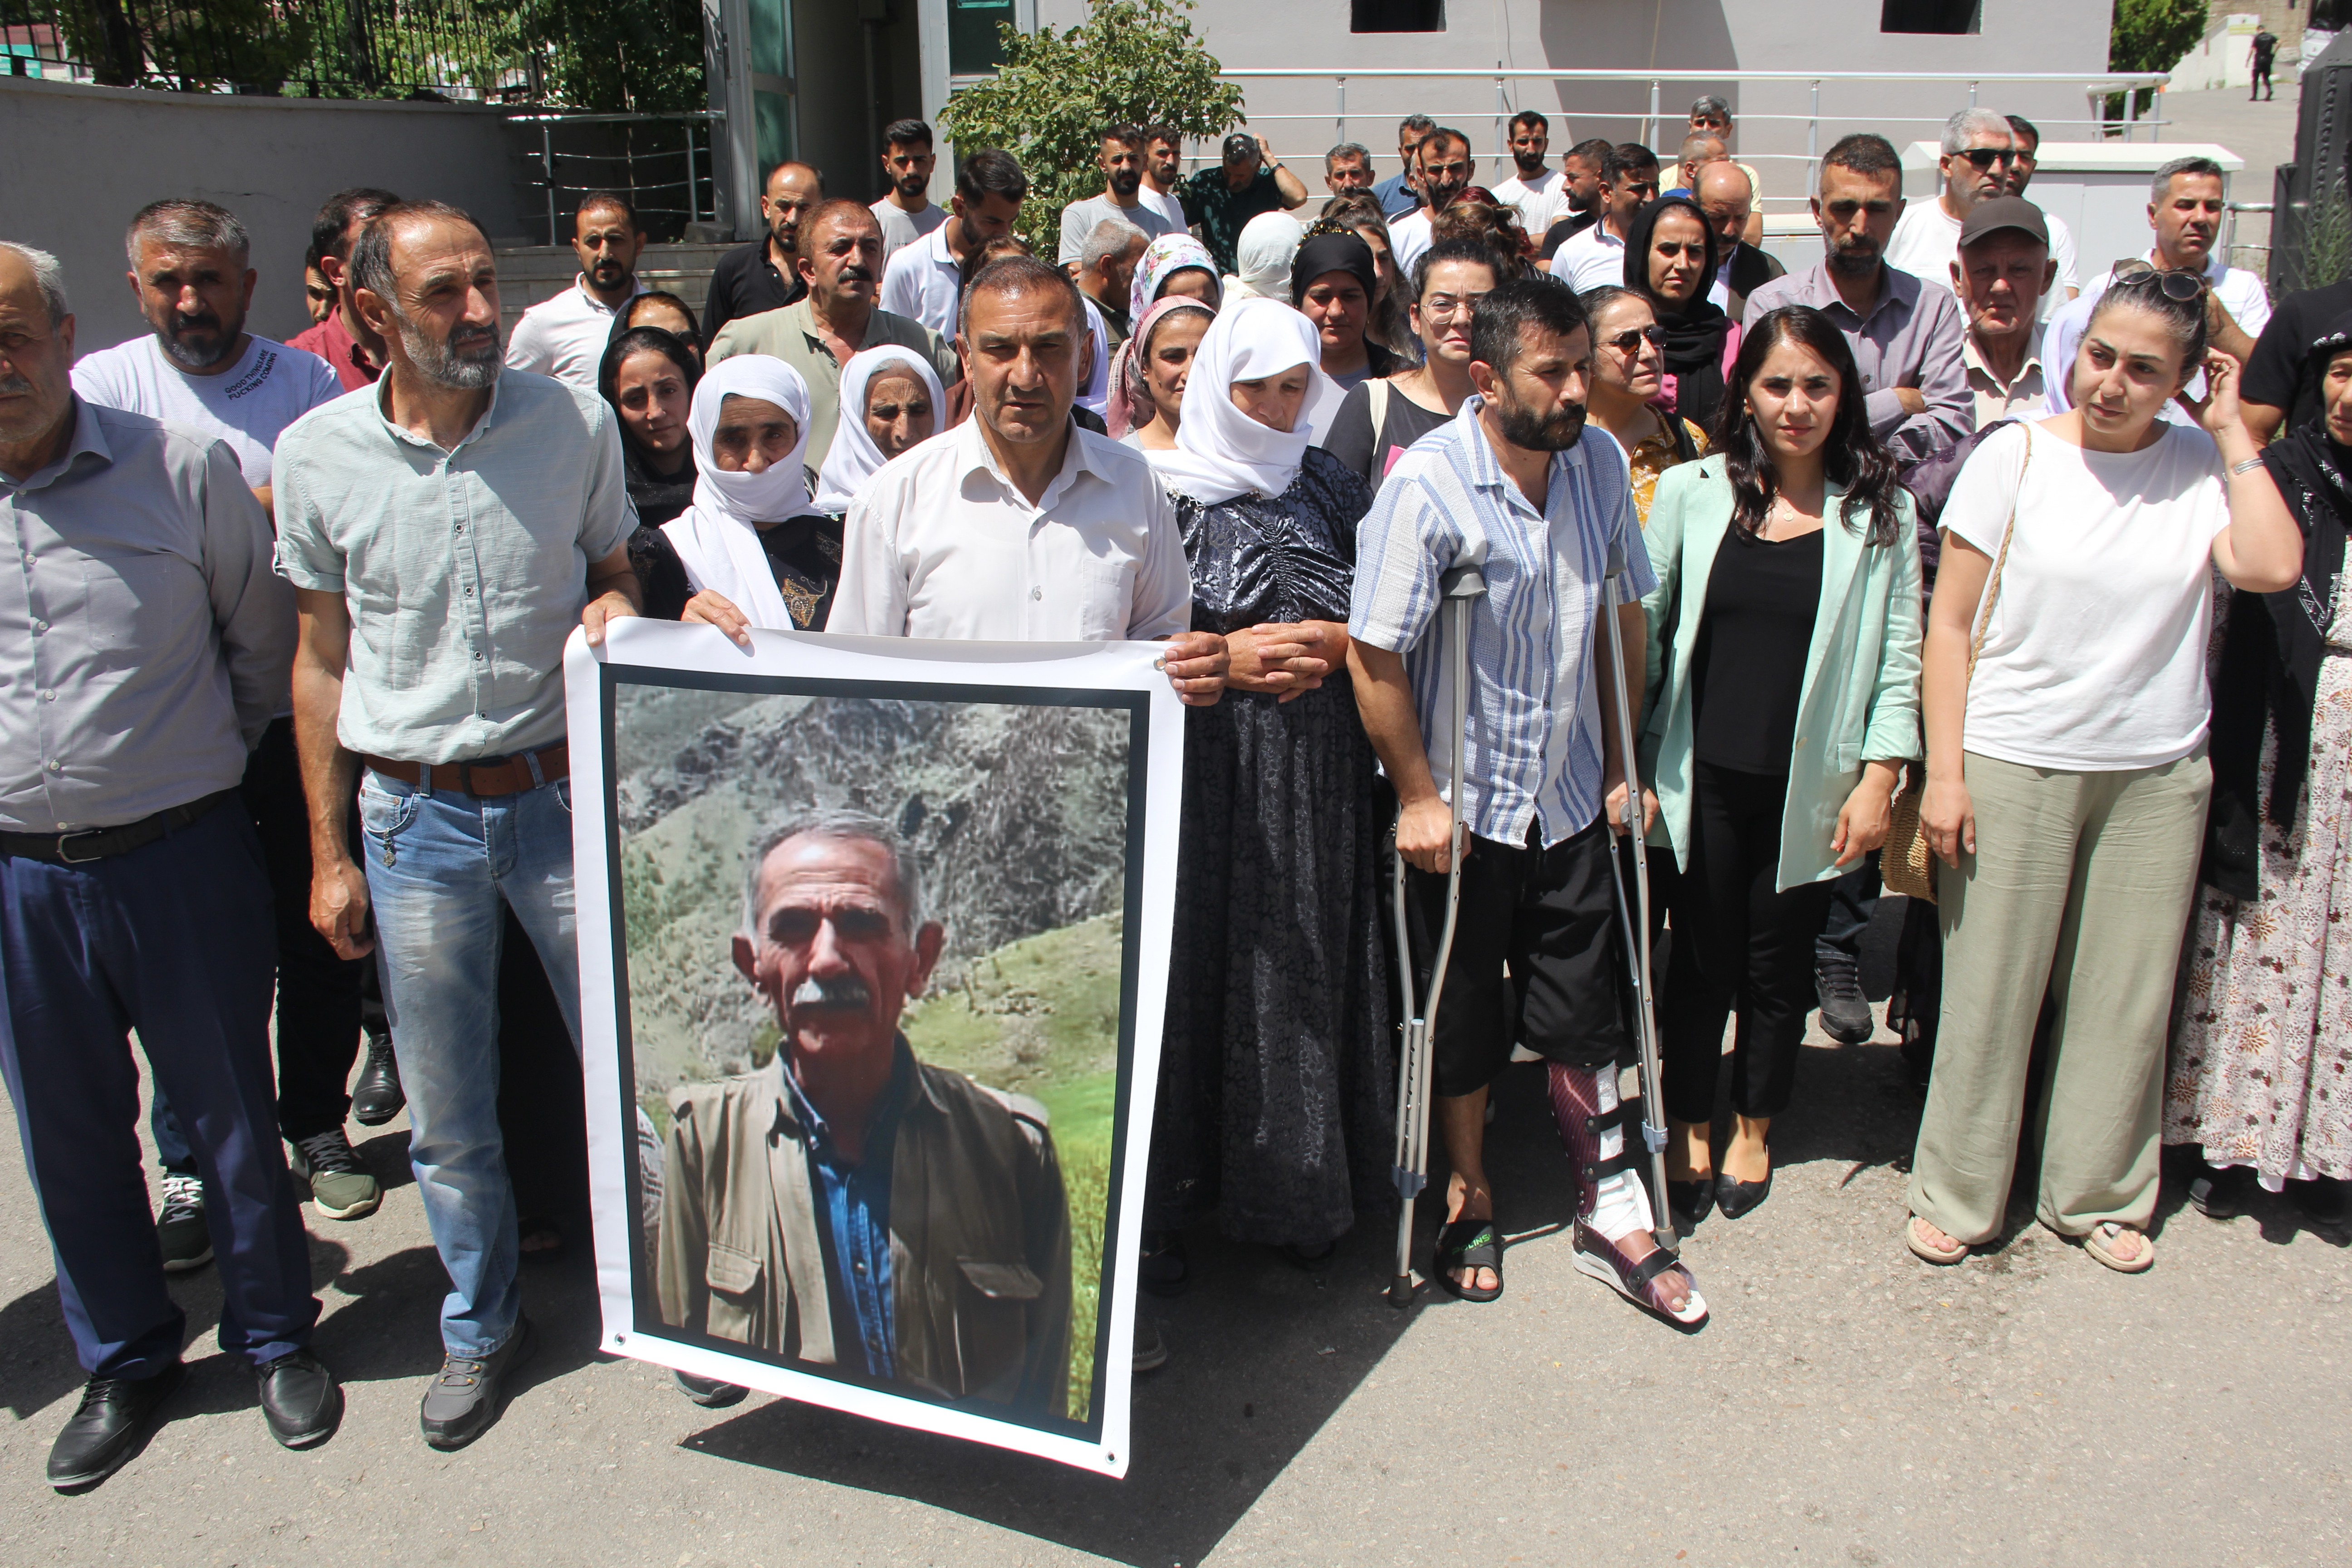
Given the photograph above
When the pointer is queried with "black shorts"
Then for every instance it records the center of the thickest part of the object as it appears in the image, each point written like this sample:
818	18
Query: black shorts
1551	914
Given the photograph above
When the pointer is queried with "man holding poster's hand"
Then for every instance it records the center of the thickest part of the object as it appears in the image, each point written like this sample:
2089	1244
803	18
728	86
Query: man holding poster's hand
1018	526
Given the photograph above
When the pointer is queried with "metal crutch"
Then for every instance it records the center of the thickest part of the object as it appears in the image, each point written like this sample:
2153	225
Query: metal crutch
1637	932
1461	587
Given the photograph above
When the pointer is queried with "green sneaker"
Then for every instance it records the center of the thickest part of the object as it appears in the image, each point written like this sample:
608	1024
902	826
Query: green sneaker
339	1185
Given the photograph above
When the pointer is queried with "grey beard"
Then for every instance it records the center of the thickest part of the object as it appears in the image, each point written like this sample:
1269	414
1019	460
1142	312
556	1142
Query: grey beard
189	357
436	364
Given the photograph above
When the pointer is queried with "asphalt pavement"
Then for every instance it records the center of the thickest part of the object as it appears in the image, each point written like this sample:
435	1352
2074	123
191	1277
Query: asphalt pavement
1845	1404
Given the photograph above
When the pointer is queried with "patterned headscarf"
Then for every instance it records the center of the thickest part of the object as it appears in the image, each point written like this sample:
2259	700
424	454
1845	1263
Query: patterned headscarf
1169	255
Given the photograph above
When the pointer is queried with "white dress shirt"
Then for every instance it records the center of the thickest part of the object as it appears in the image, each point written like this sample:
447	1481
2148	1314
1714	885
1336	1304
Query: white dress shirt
1409	240
921	283
565	337
1542	201
1591	258
939	543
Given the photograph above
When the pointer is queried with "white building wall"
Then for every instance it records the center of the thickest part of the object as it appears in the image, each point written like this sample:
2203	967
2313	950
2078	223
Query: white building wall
1690	39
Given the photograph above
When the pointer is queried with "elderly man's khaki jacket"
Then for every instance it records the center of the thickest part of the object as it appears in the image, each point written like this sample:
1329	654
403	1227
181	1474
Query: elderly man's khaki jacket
980	1238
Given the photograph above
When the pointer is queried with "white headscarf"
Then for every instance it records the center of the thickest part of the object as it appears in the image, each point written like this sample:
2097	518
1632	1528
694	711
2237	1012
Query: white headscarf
855	457
1262	257
1221	452
718	537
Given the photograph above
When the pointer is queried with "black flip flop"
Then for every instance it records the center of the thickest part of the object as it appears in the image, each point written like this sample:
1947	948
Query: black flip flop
1465	1244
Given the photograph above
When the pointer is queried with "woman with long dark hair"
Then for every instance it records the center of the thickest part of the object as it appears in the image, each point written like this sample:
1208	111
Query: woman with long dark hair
647	376
1670	260
2066	711
2261	1044
1784	665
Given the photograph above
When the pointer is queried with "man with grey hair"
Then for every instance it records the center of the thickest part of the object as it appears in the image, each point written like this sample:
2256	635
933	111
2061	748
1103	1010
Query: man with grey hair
1978	150
198	367
848	1207
1119	155
143	644
2184	210
1347	167
1105	269
443	531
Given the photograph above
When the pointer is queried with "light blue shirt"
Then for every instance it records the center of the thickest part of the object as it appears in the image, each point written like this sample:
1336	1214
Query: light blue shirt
1534	753
464	570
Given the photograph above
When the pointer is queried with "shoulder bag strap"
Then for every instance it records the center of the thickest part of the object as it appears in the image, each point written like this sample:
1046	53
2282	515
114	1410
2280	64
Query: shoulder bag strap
1992	584
1376	392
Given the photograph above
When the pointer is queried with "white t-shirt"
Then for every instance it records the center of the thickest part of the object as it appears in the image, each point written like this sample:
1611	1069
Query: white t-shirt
1167	205
901	229
1542	201
1926	243
268	388
2095	654
1409	238
566	336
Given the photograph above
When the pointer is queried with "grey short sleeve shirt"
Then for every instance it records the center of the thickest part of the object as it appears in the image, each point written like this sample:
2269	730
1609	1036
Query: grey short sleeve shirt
463	571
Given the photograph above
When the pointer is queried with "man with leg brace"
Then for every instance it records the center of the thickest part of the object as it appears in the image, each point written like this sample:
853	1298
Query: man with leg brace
1511	487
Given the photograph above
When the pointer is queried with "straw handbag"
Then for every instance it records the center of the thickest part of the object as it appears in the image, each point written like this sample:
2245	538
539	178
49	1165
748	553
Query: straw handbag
1905	865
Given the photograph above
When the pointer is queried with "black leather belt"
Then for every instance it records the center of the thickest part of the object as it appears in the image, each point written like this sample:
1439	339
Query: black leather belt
99	843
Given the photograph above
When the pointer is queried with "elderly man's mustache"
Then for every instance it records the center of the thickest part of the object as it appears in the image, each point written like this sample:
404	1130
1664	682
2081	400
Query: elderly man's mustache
853	273
843	991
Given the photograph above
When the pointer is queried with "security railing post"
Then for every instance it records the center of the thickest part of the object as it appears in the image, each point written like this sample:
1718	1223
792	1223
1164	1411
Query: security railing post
1972	95
1501	109
693	195
2131	112
1343	107
547	164
1813	139
2155	107
1650	126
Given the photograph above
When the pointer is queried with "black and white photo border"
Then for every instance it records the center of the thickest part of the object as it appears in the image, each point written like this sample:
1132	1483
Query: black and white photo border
1116	676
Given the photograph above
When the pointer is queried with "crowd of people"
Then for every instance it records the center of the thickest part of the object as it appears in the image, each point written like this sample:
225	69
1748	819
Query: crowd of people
1933	562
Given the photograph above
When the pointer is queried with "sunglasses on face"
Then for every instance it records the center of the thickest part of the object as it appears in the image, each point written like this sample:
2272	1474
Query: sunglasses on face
1986	157
1629	343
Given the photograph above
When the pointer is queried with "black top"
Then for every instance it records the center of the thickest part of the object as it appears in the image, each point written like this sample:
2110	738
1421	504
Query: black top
2277	372
1566	229
1761	600
804	553
1353	441
744	283
658	497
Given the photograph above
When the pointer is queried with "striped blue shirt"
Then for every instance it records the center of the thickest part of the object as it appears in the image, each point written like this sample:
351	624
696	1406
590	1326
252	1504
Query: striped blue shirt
1534	751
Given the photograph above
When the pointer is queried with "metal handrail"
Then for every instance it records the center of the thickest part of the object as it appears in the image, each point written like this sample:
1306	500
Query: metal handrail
547	120
2096	87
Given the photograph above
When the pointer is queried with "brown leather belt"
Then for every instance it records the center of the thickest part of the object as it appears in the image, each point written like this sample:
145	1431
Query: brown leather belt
483	775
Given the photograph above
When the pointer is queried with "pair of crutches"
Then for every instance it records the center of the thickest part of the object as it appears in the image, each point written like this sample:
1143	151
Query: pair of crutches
1461	588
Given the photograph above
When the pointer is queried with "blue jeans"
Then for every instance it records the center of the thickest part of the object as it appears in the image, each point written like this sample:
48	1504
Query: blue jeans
173	940
438	866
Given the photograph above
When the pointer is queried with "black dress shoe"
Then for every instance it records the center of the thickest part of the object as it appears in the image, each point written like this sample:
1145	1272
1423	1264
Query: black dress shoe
1737	1198
377	1097
114	1413
300	1399
1687	1202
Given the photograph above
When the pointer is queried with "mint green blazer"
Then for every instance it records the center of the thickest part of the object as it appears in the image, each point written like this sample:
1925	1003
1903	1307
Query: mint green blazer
1861	697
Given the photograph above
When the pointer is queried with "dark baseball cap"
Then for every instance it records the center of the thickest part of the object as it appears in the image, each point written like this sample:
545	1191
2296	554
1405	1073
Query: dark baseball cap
2004	212
1240	144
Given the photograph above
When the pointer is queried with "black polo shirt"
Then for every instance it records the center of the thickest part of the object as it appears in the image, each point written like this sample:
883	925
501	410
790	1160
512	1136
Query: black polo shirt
744	283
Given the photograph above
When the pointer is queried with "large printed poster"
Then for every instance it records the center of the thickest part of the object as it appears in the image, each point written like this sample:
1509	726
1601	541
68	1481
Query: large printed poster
874	945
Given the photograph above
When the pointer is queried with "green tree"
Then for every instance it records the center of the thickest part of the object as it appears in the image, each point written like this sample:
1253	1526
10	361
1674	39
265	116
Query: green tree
1129	62
2152	36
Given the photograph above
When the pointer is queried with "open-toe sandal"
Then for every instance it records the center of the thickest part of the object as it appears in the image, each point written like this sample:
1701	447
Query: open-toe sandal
1928	1251
1604	1261
2100	1244
1466	1246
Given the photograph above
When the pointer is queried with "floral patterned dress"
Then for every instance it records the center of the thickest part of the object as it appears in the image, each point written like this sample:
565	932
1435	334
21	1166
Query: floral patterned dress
2261	1069
1278	1074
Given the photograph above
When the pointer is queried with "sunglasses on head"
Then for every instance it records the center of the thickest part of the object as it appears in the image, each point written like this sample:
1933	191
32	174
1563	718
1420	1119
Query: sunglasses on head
2175	283
1986	157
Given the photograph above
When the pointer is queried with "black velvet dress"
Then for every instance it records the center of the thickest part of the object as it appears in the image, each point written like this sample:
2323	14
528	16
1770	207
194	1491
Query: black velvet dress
1278	1077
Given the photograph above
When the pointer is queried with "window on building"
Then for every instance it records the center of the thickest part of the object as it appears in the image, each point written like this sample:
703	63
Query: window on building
1396	15
1930	16
974	48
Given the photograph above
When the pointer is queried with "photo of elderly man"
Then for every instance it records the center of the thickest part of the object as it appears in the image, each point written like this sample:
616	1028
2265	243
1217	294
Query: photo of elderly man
848	1207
